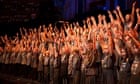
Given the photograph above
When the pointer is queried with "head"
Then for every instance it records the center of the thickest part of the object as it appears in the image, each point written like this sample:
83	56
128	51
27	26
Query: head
105	49
127	17
122	48
123	52
75	51
89	44
35	30
97	37
134	48
128	39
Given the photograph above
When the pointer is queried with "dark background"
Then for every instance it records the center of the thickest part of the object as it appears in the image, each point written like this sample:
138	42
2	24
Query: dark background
32	13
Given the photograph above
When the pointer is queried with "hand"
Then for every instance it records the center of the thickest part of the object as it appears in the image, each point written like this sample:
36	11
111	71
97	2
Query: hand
17	34
99	16
108	12
137	10
134	3
118	8
92	18
104	17
88	20
114	11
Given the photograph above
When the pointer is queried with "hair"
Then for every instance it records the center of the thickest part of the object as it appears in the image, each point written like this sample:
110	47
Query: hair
121	43
76	51
89	41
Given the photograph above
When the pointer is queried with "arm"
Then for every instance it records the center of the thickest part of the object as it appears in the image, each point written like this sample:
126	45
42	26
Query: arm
136	27
99	19
104	21
117	48
135	30
21	32
138	15
2	39
118	20
135	40
133	11
110	16
110	42
120	14
116	14
88	21
26	33
93	21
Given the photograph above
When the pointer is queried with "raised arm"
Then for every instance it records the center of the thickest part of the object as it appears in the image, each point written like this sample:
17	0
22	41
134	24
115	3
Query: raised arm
118	20
133	12
110	16
2	38
111	45
120	14
25	31
117	16
93	21
138	15
135	40
99	19
104	21
21	32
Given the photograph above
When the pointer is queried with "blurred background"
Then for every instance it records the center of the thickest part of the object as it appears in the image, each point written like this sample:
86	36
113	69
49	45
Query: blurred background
32	13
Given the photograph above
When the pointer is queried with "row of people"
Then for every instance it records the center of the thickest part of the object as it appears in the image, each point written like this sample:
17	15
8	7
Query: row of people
103	51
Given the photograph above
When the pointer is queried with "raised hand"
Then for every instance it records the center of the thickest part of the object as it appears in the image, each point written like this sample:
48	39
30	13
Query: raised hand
134	3
104	17
108	12
138	15
137	10
114	11
118	7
